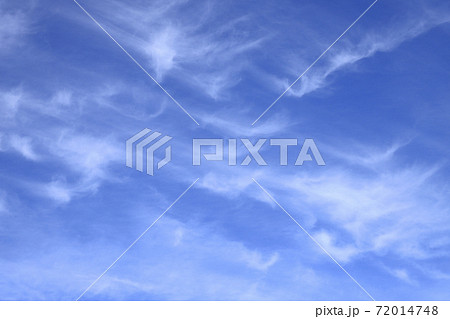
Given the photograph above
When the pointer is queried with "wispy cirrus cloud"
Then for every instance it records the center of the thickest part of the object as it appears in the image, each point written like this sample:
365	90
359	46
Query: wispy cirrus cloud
21	144
86	156
234	122
14	25
352	49
391	212
80	161
9	102
205	53
381	209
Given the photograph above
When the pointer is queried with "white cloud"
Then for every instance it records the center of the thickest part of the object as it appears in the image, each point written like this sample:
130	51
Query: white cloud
87	156
239	126
9	102
57	190
367	157
255	260
162	50
13	27
225	182
395	210
181	43
18	104
342	253
382	208
63	97
402	274
84	156
20	144
346	53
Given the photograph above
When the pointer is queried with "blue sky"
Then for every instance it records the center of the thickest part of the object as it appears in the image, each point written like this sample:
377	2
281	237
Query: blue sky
376	105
